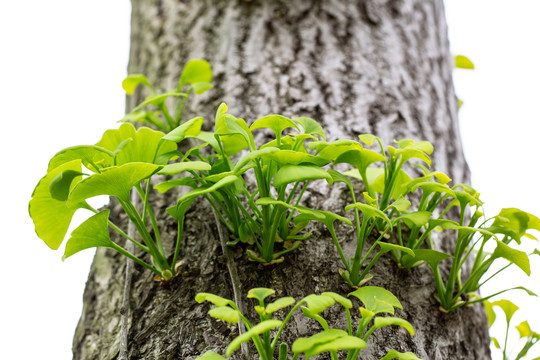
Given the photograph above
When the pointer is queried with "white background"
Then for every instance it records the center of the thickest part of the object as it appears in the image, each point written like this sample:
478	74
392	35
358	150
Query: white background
62	63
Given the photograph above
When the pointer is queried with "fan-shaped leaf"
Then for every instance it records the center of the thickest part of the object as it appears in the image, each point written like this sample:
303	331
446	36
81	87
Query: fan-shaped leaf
189	128
310	126
210	355
260	293
377	299
225	313
508	307
276	123
346	303
52	217
327	340
176	168
89	154
91	233
369	212
517	257
279	304
132	81
256	330
167	185
252	156
115	181
196	71
214	299
62	184
381	322
318	303
294	173
393	354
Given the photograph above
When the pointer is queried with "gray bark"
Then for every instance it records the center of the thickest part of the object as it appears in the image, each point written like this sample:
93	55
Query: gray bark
371	66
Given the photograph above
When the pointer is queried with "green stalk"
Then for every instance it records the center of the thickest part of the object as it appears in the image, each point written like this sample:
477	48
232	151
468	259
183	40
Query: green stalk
148	209
338	246
126	253
358	254
147	238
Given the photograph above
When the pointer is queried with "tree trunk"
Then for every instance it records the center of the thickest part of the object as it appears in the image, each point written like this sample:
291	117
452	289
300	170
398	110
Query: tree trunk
364	66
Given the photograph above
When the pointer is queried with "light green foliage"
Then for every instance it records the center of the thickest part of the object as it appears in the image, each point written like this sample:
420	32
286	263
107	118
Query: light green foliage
265	337
270	218
121	163
528	338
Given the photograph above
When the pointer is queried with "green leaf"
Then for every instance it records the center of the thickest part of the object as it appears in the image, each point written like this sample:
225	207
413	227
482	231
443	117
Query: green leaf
179	210
189	128
368	139
369	212
201	87
256	330
260	293
276	123
294	173
146	146
132	81
381	322
377	299
91	233
229	179
176	168
89	154
508	307
463	62
517	257
314	214
327	340
330	151
51	216
290	157
233	133
167	185
210	355
279	304
196	71
214	299
346	303
417	218
392	354
318	303
115	181
419	150
491	316
386	247
376	177
524	329
225	313
252	156
432	257
62	184
401	204
515	220
359	158
112	139
310	126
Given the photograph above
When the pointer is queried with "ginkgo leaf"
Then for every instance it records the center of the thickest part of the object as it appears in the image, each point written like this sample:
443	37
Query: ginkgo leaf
93	232
196	71
381	322
177	168
115	181
225	313
89	155
294	173
214	299
260	293
51	216
393	354
279	304
310	126
377	299
210	355
131	82
189	128
256	330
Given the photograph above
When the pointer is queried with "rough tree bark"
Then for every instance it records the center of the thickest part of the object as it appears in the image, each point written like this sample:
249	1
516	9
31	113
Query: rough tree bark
363	66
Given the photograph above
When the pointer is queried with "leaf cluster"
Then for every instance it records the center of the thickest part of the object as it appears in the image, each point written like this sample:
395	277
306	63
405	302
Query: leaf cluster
266	333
